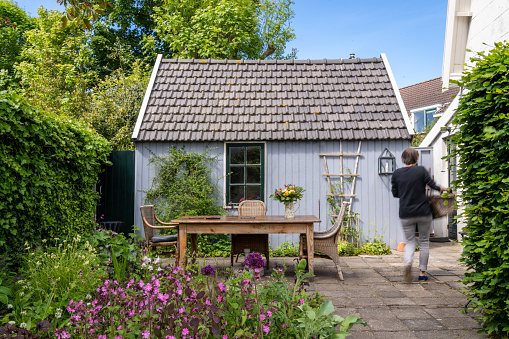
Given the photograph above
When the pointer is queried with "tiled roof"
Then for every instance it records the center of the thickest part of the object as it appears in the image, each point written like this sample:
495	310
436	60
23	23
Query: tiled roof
253	100
427	93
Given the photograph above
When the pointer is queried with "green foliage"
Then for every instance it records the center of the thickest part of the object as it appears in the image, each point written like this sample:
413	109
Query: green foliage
116	102
5	293
214	245
291	193
224	29
57	70
375	247
183	185
286	249
482	147
48	168
347	248
13	23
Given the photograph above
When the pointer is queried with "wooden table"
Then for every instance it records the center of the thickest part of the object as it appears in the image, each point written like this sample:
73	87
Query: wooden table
244	225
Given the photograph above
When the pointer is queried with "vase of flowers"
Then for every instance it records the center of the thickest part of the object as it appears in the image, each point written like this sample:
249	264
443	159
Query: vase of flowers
289	195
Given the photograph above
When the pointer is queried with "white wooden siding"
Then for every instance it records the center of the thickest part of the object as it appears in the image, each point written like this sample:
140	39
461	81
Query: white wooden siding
299	163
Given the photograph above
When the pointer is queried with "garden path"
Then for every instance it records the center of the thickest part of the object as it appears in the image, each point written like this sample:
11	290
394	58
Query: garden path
374	289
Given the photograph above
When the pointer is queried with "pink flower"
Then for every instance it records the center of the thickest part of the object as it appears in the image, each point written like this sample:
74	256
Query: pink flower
185	331
222	287
225	336
170	337
301	301
269	313
219	299
145	334
266	329
262	317
246	282
102	336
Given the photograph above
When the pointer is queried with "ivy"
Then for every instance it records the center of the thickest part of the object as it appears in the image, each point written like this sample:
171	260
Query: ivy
48	167
482	147
183	184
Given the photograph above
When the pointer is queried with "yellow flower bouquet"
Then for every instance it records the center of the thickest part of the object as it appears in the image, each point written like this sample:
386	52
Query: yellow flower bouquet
291	193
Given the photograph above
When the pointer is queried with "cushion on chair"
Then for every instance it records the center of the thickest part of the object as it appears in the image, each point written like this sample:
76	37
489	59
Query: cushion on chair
164	238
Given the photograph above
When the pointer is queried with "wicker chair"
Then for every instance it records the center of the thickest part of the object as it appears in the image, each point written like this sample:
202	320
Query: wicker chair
153	240
255	242
326	242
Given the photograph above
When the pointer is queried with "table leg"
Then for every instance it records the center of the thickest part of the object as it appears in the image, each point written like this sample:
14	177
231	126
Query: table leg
194	246
182	244
310	247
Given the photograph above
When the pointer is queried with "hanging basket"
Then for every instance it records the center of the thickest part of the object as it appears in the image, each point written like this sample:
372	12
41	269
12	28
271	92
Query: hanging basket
441	206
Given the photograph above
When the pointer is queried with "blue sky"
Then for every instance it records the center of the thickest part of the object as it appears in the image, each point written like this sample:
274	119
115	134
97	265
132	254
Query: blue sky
411	33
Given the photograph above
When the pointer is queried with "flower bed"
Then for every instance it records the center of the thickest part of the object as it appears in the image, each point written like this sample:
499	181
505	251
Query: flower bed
148	300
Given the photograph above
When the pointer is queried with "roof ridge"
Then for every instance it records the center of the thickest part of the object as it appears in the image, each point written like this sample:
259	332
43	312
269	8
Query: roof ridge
270	61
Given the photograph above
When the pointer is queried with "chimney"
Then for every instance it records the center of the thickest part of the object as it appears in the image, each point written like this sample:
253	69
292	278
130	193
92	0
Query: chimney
352	56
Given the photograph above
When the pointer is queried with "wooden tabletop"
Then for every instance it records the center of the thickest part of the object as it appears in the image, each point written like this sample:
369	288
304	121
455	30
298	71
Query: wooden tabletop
233	219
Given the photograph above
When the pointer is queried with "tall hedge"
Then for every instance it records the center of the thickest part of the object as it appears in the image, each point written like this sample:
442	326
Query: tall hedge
48	167
482	145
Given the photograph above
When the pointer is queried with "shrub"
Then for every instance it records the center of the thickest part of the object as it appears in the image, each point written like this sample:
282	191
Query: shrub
481	144
183	185
286	249
48	168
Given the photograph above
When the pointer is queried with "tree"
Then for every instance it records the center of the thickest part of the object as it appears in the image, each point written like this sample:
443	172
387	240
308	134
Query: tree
58	69
482	146
224	29
116	102
13	23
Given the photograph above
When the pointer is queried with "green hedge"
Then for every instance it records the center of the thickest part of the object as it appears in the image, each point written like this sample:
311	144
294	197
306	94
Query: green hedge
483	178
48	167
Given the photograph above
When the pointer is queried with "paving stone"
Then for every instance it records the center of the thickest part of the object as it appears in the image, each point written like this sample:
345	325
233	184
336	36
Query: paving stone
399	302
430	334
361	335
423	324
469	334
390	294
429	301
404	312
394	335
381	312
459	323
384	325
367	301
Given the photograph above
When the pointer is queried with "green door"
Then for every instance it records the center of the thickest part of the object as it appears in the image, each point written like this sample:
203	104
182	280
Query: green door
116	187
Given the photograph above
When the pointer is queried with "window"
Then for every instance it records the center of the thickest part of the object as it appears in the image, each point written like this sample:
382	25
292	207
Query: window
245	169
424	118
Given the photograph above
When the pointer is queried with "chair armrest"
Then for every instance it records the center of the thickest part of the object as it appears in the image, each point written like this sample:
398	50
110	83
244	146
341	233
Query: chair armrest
164	223
167	224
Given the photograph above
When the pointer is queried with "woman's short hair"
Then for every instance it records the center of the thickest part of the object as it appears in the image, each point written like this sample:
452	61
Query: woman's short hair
410	156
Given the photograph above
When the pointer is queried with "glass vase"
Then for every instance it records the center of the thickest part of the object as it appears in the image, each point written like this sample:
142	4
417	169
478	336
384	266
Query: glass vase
289	210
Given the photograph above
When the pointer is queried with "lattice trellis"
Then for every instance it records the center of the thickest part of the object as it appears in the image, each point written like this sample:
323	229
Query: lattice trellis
341	175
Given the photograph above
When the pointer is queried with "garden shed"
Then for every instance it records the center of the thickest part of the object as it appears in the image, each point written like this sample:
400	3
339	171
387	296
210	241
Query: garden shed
335	127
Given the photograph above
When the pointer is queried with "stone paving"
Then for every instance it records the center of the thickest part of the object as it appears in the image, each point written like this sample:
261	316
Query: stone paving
374	289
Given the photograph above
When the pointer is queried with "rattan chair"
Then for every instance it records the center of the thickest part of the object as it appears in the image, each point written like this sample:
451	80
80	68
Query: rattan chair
255	242
152	239
326	242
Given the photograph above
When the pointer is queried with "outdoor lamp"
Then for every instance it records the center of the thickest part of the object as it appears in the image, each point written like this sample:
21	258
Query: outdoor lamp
386	163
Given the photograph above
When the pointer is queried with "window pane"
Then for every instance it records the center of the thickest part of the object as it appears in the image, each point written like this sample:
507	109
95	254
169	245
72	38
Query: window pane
253	175
254	155
236	193
419	121
429	116
237	175
253	192
236	155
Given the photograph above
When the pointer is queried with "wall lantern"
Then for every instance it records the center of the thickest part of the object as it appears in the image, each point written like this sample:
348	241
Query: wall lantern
386	163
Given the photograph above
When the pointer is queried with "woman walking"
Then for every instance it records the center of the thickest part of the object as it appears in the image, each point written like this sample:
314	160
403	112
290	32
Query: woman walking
409	185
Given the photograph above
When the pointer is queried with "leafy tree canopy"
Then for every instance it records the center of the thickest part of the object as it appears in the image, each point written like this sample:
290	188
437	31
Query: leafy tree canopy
14	21
224	29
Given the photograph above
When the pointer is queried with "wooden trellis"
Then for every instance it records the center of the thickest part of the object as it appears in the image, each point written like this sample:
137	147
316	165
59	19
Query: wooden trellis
341	175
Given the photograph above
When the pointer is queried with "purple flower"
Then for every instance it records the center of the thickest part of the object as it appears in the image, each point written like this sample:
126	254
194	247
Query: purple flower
254	260
145	334
208	271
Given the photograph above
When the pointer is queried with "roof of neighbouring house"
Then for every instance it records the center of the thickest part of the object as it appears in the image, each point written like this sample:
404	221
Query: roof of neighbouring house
255	100
427	93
